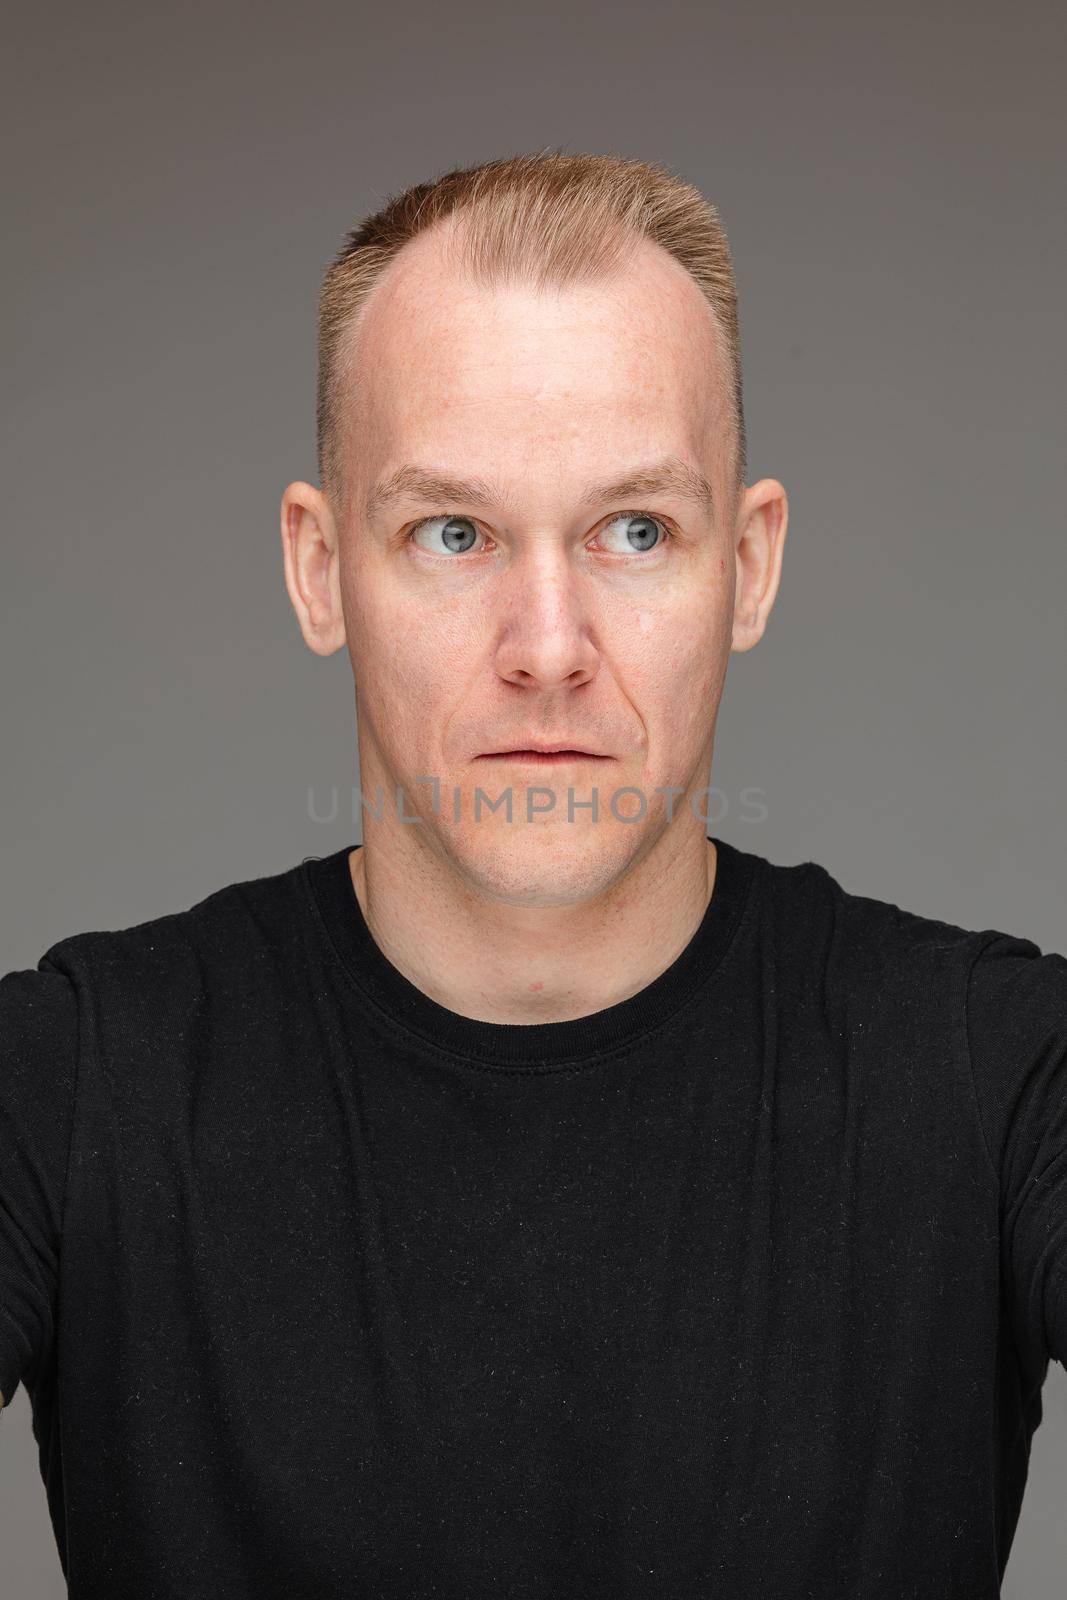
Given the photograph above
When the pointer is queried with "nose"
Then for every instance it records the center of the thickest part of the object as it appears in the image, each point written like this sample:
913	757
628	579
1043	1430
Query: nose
544	639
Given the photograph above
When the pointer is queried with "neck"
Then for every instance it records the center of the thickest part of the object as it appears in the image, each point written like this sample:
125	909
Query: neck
494	961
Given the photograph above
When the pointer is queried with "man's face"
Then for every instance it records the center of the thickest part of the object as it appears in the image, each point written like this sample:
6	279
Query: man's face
540	610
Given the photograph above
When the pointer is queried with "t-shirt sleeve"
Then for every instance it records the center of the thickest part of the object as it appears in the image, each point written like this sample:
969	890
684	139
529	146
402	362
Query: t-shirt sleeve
38	1053
1017	1030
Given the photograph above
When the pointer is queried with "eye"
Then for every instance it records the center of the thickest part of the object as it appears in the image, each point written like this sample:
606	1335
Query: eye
638	533
456	533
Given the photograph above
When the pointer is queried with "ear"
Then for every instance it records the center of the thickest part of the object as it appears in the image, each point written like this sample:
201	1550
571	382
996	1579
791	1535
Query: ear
312	576
762	519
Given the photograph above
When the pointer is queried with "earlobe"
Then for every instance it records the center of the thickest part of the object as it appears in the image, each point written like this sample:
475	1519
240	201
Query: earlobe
310	556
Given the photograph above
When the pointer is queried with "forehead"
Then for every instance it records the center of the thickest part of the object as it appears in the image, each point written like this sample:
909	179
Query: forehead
433	352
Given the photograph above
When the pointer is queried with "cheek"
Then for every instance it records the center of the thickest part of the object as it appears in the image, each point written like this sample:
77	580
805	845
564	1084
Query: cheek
409	658
381	637
675	666
675	640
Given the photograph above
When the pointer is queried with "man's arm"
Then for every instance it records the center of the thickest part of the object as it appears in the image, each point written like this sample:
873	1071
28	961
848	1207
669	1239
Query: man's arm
38	1054
1017	1026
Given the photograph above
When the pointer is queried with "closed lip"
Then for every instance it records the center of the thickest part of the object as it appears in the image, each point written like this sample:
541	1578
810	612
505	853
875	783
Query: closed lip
536	748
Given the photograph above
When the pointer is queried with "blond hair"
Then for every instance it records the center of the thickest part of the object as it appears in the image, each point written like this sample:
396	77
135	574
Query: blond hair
549	218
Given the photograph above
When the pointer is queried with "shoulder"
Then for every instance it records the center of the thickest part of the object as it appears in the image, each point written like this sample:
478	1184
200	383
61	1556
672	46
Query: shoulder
1012	980
117	991
1006	995
111	1010
228	933
39	1031
816	918
1017	1045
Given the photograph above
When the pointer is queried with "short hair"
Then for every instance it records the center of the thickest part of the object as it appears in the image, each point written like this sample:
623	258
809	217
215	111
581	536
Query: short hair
550	218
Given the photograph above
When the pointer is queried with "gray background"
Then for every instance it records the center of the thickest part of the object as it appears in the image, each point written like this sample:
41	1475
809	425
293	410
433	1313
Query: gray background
176	181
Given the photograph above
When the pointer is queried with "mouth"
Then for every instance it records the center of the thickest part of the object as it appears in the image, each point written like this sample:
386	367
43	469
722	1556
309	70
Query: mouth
542	757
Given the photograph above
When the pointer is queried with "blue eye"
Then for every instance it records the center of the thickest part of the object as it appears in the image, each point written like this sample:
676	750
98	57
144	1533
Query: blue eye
457	534
640	532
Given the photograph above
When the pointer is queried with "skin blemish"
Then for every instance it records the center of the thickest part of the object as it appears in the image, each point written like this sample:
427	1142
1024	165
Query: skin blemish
644	620
537	985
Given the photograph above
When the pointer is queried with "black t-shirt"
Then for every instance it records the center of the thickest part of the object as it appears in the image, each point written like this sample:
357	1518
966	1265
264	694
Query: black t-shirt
746	1286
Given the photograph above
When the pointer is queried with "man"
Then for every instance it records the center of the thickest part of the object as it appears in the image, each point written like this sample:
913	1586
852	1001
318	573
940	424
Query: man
544	1198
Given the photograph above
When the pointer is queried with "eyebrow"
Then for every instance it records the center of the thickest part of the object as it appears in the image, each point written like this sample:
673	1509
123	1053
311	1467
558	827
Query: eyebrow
670	476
